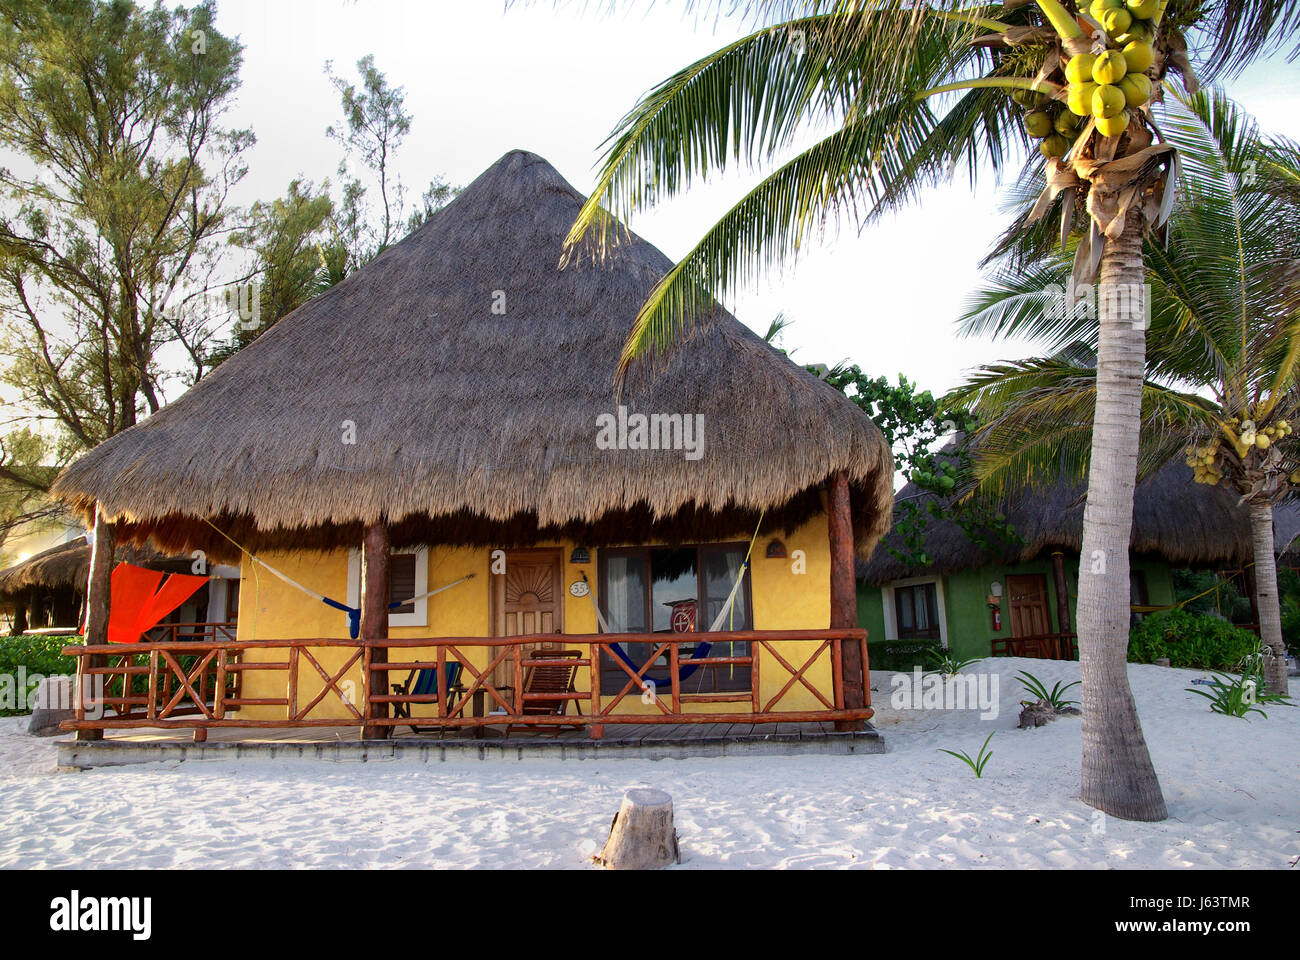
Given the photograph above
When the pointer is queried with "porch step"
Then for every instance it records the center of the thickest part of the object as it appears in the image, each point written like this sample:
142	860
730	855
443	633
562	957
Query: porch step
625	741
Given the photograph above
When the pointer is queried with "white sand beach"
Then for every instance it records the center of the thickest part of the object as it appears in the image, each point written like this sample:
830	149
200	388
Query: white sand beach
1232	786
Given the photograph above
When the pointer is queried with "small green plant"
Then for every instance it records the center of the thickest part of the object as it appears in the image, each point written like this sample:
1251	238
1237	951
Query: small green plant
1038	690
946	664
1235	696
980	760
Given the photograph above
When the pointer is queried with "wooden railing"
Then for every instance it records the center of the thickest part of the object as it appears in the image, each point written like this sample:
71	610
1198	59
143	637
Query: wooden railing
192	632
1046	646
197	684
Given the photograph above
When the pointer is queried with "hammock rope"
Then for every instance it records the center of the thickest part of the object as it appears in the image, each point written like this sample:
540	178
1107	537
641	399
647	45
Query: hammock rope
354	613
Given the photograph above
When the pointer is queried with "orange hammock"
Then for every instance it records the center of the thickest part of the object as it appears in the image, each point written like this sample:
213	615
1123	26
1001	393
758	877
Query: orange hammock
138	602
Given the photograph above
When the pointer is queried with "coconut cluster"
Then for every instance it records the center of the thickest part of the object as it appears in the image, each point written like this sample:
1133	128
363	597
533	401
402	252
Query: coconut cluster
1106	85
1242	436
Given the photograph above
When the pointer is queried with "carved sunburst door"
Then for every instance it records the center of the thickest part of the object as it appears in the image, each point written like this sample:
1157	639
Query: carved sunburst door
527	598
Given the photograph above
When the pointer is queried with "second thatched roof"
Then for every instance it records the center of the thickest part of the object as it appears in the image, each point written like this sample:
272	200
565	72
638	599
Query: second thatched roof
468	371
68	565
1186	523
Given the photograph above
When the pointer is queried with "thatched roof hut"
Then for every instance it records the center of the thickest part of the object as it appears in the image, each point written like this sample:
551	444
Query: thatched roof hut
468	371
68	565
1186	523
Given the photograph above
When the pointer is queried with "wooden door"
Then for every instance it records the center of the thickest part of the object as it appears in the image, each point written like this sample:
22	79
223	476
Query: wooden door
527	598
1027	597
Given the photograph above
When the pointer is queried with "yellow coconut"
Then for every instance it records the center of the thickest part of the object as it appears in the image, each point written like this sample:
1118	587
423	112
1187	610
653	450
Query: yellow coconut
1142	9
1108	101
1137	89
1110	67
1262	441
1098	8
1138	57
1079	69
1080	98
1113	126
1117	21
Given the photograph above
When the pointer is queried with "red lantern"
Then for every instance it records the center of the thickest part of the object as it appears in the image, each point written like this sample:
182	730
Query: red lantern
683	616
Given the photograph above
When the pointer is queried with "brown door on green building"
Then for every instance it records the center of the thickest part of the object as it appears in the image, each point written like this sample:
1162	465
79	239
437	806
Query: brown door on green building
1027	594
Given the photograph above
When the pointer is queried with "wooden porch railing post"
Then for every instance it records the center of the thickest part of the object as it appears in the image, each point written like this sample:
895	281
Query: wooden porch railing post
1062	593
98	587
844	595
595	730
375	557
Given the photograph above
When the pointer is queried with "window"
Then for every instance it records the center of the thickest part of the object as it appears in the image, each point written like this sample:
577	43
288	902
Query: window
675	590
408	575
917	611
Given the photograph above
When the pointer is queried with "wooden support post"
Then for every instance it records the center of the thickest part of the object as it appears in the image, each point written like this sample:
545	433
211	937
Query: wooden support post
844	596
375	553
595	730
21	603
1062	594
98	590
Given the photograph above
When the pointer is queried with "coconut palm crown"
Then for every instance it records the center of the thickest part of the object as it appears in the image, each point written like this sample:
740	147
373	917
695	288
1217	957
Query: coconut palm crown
1223	347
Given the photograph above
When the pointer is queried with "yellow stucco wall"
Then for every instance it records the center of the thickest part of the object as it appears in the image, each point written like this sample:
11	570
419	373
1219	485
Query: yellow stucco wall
270	609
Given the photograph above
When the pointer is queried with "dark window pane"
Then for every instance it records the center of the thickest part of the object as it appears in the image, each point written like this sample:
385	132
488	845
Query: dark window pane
401	581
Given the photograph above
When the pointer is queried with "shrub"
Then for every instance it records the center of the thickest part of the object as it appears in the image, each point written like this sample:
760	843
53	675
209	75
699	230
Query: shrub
903	654
36	655
1291	631
1188	640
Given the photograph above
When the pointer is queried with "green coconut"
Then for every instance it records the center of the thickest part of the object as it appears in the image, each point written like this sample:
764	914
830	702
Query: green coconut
1054	146
1038	124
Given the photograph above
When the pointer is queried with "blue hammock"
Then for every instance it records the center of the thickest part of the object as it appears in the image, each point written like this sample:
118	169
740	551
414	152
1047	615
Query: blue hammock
354	613
683	672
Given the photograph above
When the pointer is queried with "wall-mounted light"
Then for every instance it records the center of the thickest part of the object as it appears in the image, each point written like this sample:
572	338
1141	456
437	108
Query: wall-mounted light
775	550
995	588
580	555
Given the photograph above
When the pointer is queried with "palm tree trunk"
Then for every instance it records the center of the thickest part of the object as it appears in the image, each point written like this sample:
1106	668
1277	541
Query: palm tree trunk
1118	777
1270	611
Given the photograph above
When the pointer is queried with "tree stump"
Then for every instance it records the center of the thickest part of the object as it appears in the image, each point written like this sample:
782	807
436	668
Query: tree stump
642	836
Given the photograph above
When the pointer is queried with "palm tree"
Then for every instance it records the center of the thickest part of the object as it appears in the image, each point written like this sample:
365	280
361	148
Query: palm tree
1223	349
911	90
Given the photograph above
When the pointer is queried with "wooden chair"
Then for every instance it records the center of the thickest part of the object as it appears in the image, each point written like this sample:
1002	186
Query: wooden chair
426	684
554	678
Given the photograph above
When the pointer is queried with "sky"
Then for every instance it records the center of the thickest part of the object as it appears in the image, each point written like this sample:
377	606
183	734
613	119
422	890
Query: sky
482	77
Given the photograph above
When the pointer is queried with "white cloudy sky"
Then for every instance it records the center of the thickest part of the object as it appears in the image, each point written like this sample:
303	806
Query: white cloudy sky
482	79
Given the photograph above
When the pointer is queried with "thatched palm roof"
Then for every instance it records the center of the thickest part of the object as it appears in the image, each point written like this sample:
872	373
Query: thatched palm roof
1186	523
68	565
473	426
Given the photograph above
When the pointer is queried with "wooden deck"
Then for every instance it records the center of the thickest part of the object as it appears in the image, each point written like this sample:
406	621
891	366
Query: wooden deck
633	741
